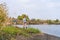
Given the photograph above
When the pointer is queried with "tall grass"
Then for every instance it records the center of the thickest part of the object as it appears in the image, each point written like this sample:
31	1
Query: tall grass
11	32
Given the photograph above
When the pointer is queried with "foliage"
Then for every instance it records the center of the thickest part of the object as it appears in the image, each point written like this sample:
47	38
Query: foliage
38	21
10	32
3	14
22	16
32	30
56	20
49	21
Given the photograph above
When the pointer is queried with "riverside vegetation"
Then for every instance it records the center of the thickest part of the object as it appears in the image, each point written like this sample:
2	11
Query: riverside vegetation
10	32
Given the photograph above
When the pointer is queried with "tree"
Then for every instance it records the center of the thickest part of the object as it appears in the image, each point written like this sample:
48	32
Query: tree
22	16
56	20
49	21
3	14
38	21
33	21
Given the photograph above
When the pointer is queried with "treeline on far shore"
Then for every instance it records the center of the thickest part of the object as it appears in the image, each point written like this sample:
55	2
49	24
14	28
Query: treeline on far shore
19	19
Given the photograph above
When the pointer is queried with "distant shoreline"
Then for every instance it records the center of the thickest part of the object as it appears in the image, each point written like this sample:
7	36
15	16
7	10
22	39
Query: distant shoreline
39	24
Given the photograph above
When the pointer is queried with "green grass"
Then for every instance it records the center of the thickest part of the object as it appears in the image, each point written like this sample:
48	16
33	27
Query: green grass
32	30
10	31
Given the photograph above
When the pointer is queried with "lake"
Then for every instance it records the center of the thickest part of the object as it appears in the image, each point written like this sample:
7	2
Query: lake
48	29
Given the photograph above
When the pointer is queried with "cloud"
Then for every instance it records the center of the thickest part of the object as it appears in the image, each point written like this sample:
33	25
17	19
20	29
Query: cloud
24	0
53	5
57	4
43	0
50	5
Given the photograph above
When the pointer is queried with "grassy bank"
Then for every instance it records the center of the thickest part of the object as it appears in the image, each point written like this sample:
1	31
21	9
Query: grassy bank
10	32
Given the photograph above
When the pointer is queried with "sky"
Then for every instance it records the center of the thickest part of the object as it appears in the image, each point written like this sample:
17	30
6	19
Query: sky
39	9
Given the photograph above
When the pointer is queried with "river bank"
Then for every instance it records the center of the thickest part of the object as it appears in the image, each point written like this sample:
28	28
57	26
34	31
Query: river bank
49	37
16	33
43	36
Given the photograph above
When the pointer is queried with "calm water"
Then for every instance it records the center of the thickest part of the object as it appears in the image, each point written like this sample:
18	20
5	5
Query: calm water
49	29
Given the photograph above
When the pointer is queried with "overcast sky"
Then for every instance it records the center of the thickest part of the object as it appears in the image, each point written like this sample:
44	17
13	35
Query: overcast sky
42	9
